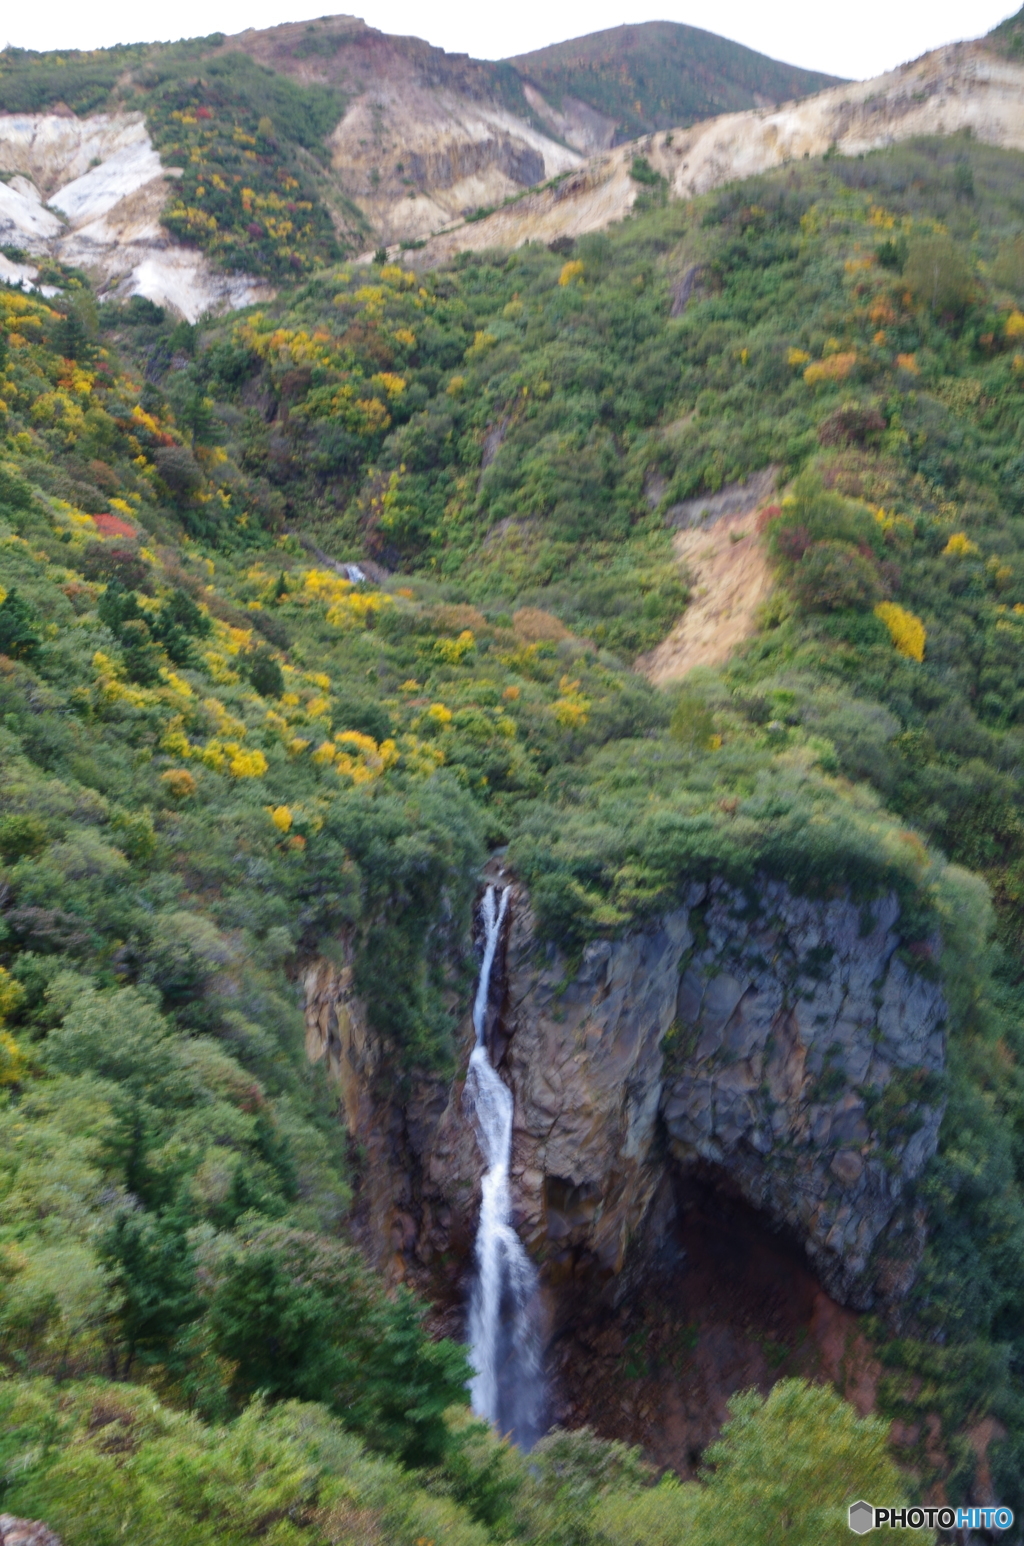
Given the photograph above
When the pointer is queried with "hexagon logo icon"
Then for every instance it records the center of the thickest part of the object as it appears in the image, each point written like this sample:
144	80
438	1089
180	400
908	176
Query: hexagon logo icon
862	1517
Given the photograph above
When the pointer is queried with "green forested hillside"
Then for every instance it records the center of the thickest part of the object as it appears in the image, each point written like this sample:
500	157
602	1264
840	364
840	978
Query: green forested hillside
663	75
218	755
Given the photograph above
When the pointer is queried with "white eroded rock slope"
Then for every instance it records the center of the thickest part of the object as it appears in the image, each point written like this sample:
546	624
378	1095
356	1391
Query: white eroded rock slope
962	86
90	191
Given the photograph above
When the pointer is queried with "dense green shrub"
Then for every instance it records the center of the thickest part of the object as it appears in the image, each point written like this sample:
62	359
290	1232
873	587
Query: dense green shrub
19	627
937	273
833	577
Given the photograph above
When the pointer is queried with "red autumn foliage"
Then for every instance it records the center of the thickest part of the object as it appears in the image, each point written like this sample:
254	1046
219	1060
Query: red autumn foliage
792	543
113	526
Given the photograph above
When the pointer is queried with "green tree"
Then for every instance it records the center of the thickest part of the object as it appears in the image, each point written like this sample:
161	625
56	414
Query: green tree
118	606
151	1265
142	658
937	274
408	1383
298	1316
21	837
833	576
19	628
71	339
275	1313
692	723
788	1466
266	675
178	624
1008	268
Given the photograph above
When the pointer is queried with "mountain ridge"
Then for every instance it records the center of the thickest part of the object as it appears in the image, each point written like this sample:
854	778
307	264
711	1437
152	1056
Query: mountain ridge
661	75
355	135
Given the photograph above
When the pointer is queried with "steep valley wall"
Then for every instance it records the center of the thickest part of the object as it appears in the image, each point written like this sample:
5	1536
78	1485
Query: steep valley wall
758	1070
962	88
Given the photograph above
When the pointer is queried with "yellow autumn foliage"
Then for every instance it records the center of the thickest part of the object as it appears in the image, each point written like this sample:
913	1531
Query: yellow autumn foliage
281	816
835	368
906	631
251	764
387	381
452	650
1015	324
570	271
356	738
354	609
572	707
11	993
228	756
959	546
358	756
13	1061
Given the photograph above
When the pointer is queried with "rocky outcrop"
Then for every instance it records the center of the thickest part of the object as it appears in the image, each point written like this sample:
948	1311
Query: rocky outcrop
962	87
415	158
90	192
426	136
25	1532
784	1050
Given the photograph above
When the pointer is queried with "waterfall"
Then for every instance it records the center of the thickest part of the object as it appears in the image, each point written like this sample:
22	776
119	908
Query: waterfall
504	1332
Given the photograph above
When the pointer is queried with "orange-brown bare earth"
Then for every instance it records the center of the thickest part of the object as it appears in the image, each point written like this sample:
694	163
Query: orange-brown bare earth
727	564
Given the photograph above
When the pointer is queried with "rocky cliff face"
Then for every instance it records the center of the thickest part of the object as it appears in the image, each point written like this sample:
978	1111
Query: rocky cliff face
963	86
784	1051
90	192
426	136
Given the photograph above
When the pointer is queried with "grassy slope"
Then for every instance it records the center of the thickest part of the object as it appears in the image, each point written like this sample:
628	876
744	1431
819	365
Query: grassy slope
660	74
215	769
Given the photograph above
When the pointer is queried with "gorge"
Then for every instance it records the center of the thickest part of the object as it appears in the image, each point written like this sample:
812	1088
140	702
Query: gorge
511	793
747	1047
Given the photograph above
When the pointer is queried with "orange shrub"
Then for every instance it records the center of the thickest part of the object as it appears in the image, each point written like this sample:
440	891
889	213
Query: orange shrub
835	368
179	782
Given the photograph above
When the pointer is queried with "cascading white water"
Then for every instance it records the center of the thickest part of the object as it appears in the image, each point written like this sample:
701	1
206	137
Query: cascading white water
504	1334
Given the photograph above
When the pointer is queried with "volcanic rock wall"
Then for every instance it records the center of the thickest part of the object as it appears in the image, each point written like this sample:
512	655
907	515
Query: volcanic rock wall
785	1049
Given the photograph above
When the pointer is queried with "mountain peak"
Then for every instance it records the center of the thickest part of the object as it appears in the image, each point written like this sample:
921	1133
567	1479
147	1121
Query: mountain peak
661	75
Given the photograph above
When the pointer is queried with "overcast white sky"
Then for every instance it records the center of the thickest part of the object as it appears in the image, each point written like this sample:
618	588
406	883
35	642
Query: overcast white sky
857	41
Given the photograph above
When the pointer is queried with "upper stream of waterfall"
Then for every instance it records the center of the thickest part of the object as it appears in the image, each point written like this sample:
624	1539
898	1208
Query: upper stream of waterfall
504	1333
